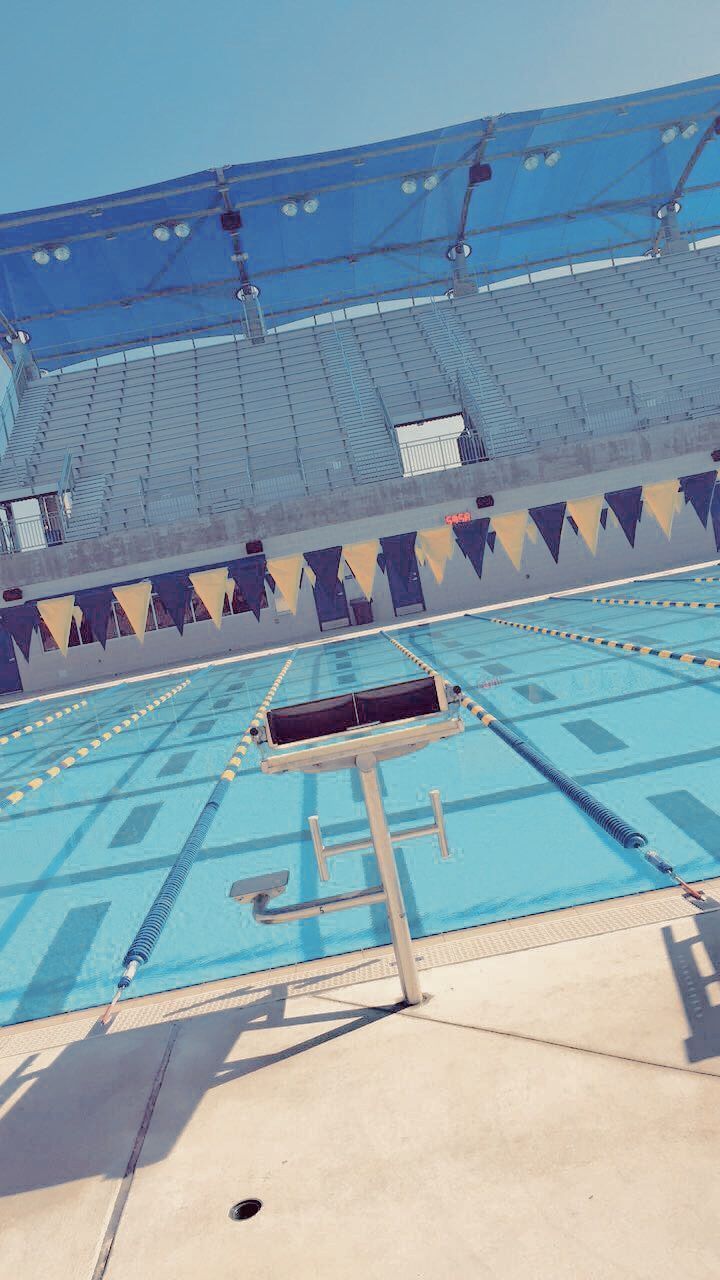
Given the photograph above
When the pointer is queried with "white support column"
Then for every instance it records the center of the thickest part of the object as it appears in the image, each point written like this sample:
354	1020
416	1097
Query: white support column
382	843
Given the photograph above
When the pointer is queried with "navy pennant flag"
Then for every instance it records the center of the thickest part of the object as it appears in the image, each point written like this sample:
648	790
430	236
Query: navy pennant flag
20	622
328	590
173	590
698	492
626	504
549	522
715	513
249	574
96	604
472	537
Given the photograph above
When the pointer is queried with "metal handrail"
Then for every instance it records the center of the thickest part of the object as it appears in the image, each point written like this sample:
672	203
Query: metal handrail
237	489
31	533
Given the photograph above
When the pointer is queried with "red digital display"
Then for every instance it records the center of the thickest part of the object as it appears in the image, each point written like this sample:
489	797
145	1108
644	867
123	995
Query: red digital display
460	517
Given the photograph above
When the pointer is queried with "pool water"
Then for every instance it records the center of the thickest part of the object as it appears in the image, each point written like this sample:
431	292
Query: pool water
83	856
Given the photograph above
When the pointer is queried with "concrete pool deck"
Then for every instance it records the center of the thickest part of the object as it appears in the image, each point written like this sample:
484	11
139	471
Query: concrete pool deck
550	1111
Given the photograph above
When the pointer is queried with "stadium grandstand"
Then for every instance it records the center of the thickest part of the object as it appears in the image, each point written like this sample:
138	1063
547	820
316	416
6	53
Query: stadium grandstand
268	400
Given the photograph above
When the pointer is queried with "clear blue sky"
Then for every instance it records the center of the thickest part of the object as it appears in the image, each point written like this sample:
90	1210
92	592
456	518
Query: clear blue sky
98	96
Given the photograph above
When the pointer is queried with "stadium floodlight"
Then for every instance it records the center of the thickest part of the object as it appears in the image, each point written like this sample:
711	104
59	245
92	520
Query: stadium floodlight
182	230
690	129
41	257
161	232
531	162
311	204
672	206
551	158
61	253
670	134
247	291
289	208
431	181
459	250
23	336
408	186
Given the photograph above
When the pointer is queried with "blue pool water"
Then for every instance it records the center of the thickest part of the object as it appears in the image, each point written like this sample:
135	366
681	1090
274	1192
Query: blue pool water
83	857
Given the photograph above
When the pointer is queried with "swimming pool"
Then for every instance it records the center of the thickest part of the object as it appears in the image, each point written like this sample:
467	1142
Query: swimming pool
84	855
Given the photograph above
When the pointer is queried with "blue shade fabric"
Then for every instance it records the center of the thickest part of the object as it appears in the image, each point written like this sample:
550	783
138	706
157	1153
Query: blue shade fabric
10	681
471	538
491	540
573	525
249	574
402	569
331	606
603	517
367	238
698	492
96	604
549	523
626	505
173	591
20	622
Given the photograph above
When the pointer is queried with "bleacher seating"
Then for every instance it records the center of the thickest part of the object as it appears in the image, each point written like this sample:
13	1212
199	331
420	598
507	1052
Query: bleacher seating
312	409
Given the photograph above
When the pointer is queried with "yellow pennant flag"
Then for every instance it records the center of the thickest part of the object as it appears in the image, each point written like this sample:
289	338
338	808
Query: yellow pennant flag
436	547
286	571
57	614
586	514
211	586
661	502
135	600
361	560
511	530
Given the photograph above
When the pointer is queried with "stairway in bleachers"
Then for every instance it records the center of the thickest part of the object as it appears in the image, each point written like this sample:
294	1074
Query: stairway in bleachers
373	452
313	410
16	469
88	503
492	413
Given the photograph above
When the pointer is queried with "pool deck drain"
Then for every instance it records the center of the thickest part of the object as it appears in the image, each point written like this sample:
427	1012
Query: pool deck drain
551	1111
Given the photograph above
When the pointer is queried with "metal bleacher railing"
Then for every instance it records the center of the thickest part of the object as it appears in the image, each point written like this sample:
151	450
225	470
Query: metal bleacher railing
178	496
175	437
10	404
637	414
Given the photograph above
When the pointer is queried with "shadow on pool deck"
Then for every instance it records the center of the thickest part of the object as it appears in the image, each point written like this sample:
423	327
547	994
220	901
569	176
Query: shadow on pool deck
697	977
81	1114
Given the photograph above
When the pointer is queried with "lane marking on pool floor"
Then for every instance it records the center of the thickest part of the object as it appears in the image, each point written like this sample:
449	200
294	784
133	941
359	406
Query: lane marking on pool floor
8	802
40	724
623	646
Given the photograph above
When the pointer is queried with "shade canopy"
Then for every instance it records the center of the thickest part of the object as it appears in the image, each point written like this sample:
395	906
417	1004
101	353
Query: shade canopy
362	225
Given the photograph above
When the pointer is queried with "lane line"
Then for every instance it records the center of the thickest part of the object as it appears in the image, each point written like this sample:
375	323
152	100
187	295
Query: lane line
624	646
40	724
9	801
656	604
